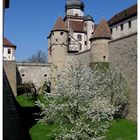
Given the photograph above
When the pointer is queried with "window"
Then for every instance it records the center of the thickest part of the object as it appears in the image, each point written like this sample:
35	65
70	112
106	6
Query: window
111	31
9	51
69	39
85	42
129	24
104	57
23	75
79	37
61	33
80	47
121	27
76	14
56	40
45	75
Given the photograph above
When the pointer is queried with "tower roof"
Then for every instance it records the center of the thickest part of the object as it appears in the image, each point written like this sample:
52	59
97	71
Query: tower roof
102	31
59	25
7	43
74	4
88	18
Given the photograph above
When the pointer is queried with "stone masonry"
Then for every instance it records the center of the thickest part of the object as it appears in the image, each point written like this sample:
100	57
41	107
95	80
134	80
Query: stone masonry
123	56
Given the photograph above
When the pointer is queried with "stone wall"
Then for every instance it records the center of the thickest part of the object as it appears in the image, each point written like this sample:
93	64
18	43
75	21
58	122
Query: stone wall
123	56
84	57
12	124
10	70
37	73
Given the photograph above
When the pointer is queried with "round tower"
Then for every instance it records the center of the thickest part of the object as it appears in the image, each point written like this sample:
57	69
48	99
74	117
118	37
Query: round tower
58	44
89	28
74	8
99	42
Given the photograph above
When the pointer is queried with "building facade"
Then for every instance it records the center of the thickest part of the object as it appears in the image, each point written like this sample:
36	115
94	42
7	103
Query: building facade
76	36
9	50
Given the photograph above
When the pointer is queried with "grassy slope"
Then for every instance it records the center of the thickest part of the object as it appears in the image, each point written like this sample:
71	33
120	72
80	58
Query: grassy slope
25	101
121	129
42	132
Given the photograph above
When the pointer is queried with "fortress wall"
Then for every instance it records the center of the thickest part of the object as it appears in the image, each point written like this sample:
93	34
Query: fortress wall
123	56
10	71
37	73
84	57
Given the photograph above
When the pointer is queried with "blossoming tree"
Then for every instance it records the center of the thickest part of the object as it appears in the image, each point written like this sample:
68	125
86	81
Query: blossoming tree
83	102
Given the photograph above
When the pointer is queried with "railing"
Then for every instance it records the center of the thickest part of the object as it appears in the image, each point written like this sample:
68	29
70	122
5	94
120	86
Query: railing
74	45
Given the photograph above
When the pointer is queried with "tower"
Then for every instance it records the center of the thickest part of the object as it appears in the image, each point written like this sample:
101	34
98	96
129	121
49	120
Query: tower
58	43
99	42
89	28
74	8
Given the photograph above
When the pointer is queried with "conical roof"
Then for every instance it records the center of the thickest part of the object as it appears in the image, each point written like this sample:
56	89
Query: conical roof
59	25
7	43
102	31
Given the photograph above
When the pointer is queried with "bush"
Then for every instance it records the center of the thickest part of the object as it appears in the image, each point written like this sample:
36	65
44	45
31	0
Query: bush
86	99
28	89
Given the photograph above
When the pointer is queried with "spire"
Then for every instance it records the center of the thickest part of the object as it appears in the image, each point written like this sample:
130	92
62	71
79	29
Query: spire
59	25
102	31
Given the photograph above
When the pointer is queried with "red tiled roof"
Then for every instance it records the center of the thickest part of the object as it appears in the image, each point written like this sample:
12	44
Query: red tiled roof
59	25
77	26
7	43
102	30
123	15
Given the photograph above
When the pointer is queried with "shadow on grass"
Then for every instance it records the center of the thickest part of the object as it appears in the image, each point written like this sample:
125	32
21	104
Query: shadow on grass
28	115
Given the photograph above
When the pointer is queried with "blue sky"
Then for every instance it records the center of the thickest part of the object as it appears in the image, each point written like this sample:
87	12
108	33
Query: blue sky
27	23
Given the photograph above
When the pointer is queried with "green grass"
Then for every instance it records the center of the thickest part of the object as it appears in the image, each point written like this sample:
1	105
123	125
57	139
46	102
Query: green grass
25	100
120	130
123	130
42	132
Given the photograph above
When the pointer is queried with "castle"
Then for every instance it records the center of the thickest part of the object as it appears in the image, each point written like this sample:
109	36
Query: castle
76	36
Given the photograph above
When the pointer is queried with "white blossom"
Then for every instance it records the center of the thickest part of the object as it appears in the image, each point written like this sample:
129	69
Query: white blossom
85	99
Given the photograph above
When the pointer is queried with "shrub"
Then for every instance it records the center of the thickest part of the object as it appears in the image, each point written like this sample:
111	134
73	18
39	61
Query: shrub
86	99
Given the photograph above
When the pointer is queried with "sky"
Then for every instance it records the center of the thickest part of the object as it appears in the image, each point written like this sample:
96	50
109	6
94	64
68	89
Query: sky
27	23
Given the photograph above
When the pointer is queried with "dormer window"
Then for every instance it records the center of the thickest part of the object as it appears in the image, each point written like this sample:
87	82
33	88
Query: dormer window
79	37
9	51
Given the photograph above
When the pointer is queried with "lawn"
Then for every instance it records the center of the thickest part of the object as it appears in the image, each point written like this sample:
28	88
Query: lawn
121	129
25	101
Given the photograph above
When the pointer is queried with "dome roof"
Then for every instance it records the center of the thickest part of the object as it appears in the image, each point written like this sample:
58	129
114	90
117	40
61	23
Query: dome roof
74	4
88	18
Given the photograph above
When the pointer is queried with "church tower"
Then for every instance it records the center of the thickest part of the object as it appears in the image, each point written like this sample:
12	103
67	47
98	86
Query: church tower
58	43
